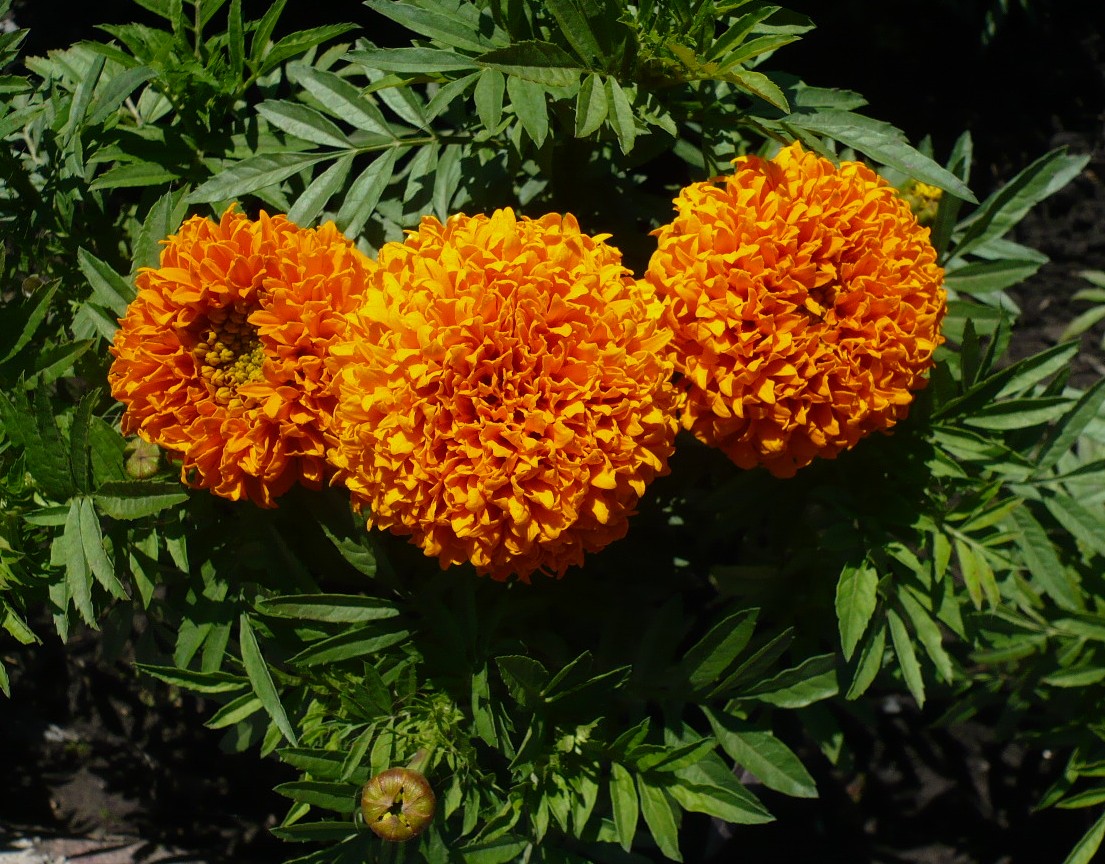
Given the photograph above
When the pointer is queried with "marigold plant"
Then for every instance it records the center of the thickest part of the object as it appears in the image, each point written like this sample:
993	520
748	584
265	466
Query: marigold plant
220	357
504	393
806	303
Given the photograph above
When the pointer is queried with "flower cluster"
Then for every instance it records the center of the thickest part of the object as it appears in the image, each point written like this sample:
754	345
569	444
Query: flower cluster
500	389
504	393
220	359
806	303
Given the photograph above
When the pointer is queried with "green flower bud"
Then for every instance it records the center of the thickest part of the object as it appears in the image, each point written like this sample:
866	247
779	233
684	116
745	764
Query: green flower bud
142	459
398	804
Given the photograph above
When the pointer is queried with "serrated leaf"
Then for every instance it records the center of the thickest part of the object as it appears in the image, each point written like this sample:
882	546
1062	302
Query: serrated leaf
261	679
365	193
303	122
346	646
412	61
447	179
253	174
591	106
137	499
92	540
108	287
338	797
133	174
928	633
985	277
525	678
488	97
198	682
235	40
534	62
78	577
1006	207
869	661
432	23
1085	849
759	85
762	754
811	681
300	42
660	818
314	198
22	322
883	143
621	118
856	598
907	657
708	658
1042	560
332	608
116	92
343	100
528	101
235	711
1088	526
1018	413
623	800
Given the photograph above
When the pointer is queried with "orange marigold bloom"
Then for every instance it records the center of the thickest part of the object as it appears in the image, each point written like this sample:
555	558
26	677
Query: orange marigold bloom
504	393
806	303
220	357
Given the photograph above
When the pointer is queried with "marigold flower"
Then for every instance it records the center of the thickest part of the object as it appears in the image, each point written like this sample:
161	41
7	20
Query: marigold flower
220	357
806	303
504	393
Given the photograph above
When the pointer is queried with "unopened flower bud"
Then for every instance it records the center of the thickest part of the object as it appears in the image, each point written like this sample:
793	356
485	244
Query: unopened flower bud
398	804
143	459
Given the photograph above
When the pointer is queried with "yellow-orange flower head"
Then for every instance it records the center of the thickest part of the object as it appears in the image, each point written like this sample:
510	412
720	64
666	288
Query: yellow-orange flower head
806	303
220	358
504	393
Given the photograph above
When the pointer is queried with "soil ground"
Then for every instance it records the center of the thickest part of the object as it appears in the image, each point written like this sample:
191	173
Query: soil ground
101	766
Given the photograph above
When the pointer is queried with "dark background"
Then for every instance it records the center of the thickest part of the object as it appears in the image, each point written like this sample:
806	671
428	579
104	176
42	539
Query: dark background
88	747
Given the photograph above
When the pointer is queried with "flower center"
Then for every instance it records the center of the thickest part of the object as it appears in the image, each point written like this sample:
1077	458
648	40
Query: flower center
229	353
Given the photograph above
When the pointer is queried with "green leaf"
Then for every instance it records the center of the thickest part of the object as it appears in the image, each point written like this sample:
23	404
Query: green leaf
134	174
235	40
235	711
93	541
447	179
883	143
263	33
528	101
811	681
660	818
534	62
332	608
762	754
674	758
90	77
577	31
137	499
708	658
314	832
1006	207
623	800
79	454
432	23
300	42
591	106
19	324
1085	849
1017	378
163	219
1018	413
856	598
1069	427
928	633
253	174
313	199
447	93
303	122
342	99
261	680
711	787
108	287
488	96
1087	526
339	797
345	646
525	678
412	61
907	658
621	119
78	578
977	574
759	85
198	682
116	91
1043	563
365	193
54	362
985	277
